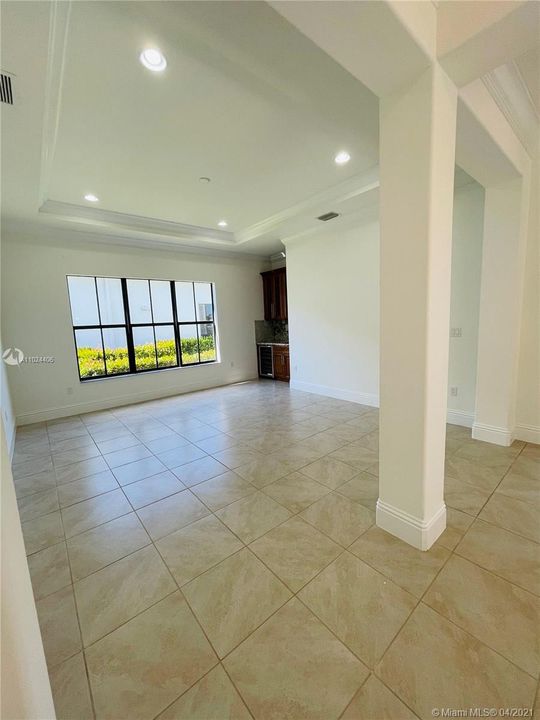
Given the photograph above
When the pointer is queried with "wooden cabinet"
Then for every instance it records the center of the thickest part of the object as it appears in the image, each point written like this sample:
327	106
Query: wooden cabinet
281	363
275	294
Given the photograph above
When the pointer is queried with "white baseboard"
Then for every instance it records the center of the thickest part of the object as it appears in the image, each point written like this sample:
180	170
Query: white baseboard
492	434
119	401
420	534
528	433
370	399
460	417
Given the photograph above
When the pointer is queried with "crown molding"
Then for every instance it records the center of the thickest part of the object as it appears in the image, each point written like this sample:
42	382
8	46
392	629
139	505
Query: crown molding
125	222
59	14
506	86
343	222
49	233
346	190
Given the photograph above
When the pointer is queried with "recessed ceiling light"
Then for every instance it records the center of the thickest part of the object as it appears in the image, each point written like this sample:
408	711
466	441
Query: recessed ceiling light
91	197
222	223
153	59
342	158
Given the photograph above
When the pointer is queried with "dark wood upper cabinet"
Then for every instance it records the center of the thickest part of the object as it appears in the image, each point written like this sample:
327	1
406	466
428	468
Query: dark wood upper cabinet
275	294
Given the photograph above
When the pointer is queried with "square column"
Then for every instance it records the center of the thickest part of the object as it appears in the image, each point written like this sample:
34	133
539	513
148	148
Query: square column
506	211
417	151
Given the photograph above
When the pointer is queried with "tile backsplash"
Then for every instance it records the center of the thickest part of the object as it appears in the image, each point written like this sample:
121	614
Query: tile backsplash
271	331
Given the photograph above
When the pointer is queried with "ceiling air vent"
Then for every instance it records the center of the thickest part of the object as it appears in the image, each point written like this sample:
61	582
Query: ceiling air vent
328	216
6	93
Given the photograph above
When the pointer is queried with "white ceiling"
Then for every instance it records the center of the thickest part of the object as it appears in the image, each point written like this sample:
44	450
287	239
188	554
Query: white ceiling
246	100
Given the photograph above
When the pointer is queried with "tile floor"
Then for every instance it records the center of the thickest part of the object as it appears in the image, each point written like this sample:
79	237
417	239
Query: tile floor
214	556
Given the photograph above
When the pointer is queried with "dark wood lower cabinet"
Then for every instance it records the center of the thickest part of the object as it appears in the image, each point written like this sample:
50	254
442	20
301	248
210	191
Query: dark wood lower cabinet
281	363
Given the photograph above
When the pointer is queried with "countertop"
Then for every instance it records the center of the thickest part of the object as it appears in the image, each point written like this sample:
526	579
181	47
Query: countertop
285	344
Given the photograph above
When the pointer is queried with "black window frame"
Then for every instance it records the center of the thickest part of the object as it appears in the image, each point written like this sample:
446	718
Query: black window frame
128	326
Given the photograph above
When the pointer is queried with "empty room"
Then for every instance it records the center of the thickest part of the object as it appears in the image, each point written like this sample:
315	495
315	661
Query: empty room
270	359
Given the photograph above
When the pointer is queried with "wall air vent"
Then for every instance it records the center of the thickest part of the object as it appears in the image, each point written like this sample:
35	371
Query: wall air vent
328	216
6	92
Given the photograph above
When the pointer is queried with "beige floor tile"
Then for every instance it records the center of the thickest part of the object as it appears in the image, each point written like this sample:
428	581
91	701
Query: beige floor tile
212	698
491	455
151	489
340	518
361	606
49	570
126	455
223	490
42	503
34	466
363	488
520	517
120	591
263	471
180	455
86	488
366	422
138	470
528	463
35	483
463	496
168	442
234	457
165	516
357	456
479	476
59	626
199	470
462	672
329	472
457	524
296	491
293	667
140	669
95	511
295	551
73	455
118	443
252	516
297	456
197	547
94	549
411	569
374	701
324	442
521	487
493	610
234	598
42	532
506	554
78	470
216	444
71	695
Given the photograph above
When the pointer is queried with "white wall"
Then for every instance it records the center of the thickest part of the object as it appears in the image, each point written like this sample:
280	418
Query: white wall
36	319
26	692
528	400
8	415
333	297
465	299
333	287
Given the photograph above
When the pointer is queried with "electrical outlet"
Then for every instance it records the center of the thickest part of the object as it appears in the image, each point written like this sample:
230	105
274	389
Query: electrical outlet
455	332
453	391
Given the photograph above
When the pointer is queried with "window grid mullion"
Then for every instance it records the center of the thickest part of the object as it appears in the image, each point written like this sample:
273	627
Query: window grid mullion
128	328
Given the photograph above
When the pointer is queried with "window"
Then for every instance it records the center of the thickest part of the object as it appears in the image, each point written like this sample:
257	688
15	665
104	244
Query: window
125	325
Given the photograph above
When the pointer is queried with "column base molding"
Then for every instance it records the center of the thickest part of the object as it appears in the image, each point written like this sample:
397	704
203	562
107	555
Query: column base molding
419	533
492	434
